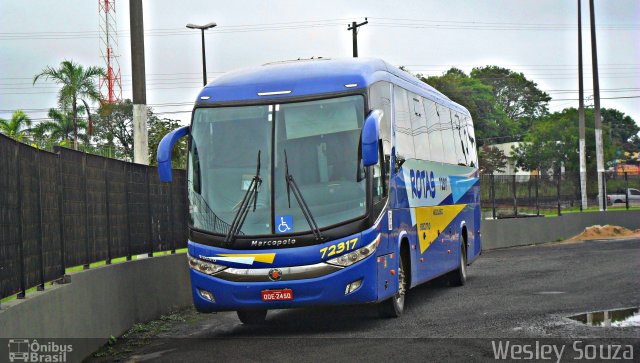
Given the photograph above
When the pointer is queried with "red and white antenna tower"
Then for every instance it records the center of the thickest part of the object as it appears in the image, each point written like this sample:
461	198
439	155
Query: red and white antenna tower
111	84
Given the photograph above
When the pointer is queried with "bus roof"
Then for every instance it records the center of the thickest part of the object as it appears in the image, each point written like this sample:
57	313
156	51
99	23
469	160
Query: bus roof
308	77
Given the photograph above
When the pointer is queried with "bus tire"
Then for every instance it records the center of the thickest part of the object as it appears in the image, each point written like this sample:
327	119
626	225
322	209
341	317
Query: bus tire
394	306
252	317
458	276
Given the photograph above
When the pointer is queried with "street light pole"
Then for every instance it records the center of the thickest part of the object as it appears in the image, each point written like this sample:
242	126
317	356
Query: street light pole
204	59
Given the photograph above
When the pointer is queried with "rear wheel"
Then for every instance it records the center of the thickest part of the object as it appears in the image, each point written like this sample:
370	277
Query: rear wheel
394	306
459	276
252	317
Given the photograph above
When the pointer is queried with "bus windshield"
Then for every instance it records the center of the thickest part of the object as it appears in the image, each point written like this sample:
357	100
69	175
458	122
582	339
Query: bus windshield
230	146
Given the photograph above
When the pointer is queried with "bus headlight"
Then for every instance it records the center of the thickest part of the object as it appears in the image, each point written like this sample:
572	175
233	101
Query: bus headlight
203	266
352	257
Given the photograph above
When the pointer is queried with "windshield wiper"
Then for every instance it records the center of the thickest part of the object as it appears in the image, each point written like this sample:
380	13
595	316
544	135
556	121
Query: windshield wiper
291	185
250	196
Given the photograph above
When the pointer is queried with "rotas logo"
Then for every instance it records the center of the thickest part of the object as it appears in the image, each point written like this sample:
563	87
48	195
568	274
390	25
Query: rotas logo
423	184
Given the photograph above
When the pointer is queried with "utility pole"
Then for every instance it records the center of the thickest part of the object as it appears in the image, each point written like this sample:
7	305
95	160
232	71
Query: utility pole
583	156
354	31
140	134
596	103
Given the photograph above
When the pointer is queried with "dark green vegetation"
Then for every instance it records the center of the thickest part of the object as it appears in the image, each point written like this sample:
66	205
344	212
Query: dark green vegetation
553	140
492	160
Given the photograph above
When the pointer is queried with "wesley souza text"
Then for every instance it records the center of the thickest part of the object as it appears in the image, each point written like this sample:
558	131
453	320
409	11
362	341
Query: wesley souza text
541	350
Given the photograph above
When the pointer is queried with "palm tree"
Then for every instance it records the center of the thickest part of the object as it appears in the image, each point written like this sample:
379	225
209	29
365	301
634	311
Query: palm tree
77	85
61	127
15	128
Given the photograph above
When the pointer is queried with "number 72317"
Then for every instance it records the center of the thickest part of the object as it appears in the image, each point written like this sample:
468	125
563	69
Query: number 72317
338	248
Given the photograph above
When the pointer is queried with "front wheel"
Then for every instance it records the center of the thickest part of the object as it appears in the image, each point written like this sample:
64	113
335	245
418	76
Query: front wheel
394	306
252	317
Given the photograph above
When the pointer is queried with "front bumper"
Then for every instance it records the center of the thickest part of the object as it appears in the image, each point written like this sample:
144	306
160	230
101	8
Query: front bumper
324	290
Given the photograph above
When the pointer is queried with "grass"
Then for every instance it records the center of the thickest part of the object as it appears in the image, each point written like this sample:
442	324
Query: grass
93	265
142	333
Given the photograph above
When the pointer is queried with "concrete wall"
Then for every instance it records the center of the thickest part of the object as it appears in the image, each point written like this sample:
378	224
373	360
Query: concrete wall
100	302
511	232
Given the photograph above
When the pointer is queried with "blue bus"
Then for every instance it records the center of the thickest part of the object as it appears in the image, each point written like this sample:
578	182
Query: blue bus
323	182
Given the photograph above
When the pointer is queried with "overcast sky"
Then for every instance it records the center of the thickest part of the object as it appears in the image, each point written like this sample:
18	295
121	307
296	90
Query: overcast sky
537	37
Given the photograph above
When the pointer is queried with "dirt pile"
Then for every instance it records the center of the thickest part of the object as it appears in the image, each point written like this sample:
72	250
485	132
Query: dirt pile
605	232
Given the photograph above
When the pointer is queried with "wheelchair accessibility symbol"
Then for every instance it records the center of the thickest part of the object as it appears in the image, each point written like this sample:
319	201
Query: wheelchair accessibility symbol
284	224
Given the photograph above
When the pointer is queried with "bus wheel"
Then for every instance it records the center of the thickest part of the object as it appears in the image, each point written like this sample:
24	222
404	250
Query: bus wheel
394	306
459	276
252	317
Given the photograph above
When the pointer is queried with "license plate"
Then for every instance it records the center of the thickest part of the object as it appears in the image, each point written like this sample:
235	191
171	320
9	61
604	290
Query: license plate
277	295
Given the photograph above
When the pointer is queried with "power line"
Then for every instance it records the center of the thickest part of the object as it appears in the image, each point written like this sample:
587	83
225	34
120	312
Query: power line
493	23
396	23
90	35
168	104
630	66
602	98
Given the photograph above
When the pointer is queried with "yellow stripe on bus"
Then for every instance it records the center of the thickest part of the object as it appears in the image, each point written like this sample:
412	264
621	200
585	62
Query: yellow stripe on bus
431	221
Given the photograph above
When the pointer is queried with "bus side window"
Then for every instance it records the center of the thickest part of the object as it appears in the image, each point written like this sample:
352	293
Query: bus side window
380	98
419	128
465	138
194	170
404	137
473	147
433	130
448	141
458	137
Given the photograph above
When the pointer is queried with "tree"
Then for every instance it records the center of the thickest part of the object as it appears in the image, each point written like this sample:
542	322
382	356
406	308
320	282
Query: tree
114	128
77	85
520	99
492	160
158	128
490	122
16	127
553	141
622	129
60	128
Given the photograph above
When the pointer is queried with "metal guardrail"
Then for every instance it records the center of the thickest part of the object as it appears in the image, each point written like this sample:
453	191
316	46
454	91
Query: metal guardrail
516	196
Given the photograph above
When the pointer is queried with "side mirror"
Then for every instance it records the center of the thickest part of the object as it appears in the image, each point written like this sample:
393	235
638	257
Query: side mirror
370	137
164	153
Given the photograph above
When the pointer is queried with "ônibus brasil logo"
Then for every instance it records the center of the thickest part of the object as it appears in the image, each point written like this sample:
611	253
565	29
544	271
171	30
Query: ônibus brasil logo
26	350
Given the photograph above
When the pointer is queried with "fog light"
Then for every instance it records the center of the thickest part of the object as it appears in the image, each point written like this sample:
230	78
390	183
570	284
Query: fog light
207	295
352	287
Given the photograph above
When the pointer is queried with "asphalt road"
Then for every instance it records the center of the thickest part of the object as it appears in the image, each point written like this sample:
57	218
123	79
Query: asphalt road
518	294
